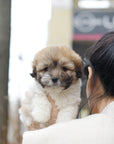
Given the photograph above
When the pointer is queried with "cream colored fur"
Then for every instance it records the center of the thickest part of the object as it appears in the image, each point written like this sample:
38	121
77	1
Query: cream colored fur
37	108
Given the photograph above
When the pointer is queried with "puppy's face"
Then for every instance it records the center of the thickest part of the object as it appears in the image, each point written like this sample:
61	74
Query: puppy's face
57	66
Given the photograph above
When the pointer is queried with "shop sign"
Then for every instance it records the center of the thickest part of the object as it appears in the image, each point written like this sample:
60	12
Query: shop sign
91	25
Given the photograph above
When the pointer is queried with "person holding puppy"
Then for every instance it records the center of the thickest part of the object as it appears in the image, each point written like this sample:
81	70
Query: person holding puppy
97	128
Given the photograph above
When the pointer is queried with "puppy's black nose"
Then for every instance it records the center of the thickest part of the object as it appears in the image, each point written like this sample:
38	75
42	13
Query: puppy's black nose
54	80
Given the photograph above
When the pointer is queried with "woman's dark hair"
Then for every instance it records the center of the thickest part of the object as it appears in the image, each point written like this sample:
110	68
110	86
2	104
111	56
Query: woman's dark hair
101	58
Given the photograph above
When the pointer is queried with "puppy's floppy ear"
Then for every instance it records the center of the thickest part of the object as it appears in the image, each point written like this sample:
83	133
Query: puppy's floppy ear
78	74
78	65
78	69
34	73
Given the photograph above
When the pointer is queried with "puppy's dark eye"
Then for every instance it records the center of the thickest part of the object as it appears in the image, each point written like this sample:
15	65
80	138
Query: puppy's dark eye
46	69
64	68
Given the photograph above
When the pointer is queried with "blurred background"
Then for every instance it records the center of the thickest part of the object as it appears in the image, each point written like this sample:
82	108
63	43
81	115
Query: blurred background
27	26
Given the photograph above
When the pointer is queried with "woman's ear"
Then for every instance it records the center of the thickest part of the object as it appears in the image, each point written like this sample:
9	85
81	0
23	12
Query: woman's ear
89	82
90	71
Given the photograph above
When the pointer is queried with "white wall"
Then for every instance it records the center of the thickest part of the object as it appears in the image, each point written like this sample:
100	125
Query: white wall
29	28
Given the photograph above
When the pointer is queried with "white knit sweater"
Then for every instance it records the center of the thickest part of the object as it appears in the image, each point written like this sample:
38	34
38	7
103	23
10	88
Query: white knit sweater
94	129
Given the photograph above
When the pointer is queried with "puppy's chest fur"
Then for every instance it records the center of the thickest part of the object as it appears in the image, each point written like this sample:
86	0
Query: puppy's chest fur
64	103
44	107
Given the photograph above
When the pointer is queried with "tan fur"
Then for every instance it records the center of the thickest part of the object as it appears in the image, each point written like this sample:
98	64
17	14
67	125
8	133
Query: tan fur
63	55
54	111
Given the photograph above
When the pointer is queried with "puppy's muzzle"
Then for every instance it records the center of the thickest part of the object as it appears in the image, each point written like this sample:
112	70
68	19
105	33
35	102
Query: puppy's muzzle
54	80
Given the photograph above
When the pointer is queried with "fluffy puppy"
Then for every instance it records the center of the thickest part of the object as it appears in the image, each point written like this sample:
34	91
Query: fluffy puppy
55	95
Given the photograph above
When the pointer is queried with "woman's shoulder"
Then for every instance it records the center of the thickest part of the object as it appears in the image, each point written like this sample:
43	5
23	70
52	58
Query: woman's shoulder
97	128
101	120
109	109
